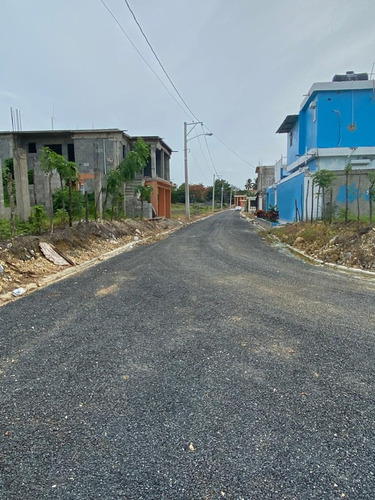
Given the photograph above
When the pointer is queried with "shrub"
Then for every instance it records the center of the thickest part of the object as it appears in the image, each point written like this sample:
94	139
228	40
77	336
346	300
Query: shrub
272	214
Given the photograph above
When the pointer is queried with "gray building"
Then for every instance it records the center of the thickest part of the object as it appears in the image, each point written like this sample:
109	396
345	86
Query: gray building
98	150
266	177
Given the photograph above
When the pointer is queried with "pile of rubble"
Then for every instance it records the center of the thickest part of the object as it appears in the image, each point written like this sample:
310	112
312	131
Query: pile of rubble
349	245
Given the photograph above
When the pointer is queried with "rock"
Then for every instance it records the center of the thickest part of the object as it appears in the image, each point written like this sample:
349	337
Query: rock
333	240
299	240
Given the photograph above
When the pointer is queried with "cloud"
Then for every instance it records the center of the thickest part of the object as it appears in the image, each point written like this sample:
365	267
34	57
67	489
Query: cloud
9	95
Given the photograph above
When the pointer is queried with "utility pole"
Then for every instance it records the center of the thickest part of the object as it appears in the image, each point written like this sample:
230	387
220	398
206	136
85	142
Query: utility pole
222	193
213	195
187	194
186	133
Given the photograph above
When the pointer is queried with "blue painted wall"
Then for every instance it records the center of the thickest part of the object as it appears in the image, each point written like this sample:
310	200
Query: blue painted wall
357	106
354	191
336	111
270	197
293	150
287	192
308	130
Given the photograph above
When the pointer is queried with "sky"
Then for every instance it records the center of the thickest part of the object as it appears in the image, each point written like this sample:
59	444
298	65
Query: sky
241	66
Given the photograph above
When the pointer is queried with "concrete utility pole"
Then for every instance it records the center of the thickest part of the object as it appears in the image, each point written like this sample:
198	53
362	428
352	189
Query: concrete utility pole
187	193
213	195
186	133
222	194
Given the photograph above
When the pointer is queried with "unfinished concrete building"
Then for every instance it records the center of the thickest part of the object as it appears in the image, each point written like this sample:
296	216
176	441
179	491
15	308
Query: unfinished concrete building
95	152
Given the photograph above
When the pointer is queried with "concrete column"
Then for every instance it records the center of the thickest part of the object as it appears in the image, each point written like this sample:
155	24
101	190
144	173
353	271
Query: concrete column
153	161
162	168
98	185
22	183
2	203
166	168
124	197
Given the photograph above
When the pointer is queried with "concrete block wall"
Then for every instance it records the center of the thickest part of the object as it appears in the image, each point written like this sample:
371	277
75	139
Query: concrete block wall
6	147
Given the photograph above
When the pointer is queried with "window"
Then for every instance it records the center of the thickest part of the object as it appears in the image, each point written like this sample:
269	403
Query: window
57	148
71	153
32	147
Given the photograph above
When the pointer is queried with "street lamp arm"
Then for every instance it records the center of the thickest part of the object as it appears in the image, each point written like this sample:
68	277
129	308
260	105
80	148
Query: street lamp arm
199	135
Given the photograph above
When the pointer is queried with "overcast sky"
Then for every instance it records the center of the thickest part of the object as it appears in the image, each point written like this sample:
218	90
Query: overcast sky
240	65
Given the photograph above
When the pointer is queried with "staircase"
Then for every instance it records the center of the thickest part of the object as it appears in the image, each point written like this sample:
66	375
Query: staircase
133	206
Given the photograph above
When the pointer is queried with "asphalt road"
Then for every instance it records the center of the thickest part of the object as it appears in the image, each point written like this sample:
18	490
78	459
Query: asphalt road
209	365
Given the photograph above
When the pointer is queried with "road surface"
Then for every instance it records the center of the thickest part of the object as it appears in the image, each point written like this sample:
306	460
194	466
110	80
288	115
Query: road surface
209	365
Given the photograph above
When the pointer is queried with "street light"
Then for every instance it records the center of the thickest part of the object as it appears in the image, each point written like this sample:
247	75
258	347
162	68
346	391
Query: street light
186	133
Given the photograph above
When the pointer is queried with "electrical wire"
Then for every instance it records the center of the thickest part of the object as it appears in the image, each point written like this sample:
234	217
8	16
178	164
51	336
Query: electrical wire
143	59
209	152
231	150
191	115
198	163
158	60
178	93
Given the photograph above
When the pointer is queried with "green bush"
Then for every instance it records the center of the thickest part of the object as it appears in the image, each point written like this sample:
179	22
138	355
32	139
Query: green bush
78	202
20	228
38	219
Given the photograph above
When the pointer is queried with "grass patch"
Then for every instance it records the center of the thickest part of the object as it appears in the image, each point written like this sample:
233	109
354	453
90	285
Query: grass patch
178	209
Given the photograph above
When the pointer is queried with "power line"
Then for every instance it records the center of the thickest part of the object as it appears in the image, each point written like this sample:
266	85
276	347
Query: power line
158	60
197	162
231	150
208	149
143	59
175	88
170	80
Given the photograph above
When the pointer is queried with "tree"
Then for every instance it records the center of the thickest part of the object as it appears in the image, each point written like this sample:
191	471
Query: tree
198	192
221	183
371	193
7	169
134	162
113	183
250	185
178	194
323	179
68	172
48	164
144	194
61	167
347	171
71	173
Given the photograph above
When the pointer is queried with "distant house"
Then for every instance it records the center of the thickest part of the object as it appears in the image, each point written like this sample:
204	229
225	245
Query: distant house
239	200
93	151
266	177
334	127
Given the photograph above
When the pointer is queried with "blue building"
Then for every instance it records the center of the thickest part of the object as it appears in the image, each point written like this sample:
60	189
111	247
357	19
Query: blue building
334	127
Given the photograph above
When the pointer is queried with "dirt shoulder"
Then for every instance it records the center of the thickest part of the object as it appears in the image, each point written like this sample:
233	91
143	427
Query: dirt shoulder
24	266
350	245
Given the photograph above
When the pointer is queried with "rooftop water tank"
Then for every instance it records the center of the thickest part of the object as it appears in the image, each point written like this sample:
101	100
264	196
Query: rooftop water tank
350	76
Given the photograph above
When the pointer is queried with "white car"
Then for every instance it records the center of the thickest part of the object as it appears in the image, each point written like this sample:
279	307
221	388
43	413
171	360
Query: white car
238	208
